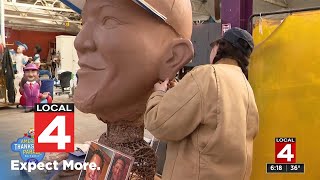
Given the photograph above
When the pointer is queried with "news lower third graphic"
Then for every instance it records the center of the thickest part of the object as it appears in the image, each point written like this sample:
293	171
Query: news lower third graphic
53	132
16	165
285	157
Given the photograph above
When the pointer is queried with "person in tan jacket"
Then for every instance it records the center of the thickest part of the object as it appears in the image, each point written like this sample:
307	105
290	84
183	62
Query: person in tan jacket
210	118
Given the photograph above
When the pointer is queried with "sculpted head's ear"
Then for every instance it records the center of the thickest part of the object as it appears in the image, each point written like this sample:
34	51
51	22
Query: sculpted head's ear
179	53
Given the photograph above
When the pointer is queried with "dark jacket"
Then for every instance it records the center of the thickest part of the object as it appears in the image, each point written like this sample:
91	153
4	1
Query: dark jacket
7	69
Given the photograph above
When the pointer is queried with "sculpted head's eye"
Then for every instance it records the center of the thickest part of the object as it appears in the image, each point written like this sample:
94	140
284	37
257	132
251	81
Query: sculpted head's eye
110	22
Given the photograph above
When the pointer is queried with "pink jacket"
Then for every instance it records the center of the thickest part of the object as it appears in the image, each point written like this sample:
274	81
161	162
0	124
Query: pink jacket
31	89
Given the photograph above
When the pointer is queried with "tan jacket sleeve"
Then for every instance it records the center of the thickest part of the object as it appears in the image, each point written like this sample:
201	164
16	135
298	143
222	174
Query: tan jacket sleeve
174	115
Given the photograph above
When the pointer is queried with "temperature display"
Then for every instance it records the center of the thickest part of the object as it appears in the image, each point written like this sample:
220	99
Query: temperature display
285	168
295	168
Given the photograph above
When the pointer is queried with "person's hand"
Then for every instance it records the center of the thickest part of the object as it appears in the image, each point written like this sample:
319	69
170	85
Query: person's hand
162	86
45	95
172	83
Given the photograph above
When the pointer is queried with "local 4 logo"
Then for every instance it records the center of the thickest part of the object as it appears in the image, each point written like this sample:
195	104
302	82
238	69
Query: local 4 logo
285	150
54	128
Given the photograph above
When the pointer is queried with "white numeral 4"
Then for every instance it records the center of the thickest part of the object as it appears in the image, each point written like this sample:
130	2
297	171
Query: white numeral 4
285	153
61	139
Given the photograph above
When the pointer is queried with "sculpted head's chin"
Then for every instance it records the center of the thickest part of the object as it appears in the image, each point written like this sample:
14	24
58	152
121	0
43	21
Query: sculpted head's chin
84	104
82	107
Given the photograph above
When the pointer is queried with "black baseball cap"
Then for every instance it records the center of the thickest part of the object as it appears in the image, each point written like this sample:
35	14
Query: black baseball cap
240	39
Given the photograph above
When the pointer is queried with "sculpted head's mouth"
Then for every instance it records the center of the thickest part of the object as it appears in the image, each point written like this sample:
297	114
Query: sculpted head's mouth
84	66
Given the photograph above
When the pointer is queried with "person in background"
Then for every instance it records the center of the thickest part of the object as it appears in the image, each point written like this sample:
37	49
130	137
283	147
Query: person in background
210	118
36	57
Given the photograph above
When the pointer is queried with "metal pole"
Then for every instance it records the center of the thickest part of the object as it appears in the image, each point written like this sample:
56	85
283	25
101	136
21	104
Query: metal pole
246	12
278	12
24	5
2	25
39	18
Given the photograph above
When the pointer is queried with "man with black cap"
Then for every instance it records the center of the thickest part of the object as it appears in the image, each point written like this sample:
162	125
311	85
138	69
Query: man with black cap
210	118
236	44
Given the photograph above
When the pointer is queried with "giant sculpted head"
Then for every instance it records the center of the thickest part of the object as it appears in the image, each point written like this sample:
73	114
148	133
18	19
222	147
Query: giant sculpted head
124	49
